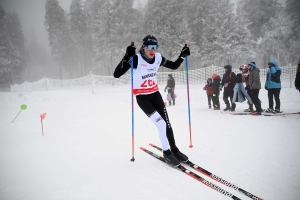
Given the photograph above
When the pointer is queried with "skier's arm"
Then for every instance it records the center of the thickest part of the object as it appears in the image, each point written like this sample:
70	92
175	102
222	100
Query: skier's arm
174	65
123	67
170	64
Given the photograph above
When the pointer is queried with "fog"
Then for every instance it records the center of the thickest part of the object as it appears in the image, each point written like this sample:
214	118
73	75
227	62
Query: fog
81	54
32	16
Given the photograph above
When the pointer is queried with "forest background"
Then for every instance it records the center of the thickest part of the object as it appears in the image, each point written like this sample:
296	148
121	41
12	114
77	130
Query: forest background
91	36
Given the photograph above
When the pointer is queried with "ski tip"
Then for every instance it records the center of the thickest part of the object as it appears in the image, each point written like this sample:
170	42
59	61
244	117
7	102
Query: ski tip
142	148
151	144
191	146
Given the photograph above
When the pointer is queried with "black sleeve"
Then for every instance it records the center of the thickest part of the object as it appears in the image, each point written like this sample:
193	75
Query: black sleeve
124	66
297	80
233	79
170	64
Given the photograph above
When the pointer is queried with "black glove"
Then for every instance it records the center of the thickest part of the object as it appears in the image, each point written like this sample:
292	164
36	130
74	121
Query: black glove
130	51
266	88
247	87
185	52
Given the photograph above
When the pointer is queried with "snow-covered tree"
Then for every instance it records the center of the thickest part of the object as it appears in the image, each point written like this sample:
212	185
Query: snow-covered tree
80	34
225	37
293	12
275	42
98	20
9	55
259	13
19	72
167	20
124	24
59	37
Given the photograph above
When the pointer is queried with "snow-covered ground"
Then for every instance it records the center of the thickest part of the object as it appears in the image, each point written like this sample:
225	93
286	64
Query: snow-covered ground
86	148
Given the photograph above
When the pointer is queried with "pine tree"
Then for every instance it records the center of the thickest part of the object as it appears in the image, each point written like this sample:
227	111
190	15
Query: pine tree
59	37
9	55
124	22
79	33
275	40
292	11
98	20
224	38
19	72
168	22
259	13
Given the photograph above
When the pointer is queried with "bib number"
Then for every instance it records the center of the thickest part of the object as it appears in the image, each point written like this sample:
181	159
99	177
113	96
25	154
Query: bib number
147	83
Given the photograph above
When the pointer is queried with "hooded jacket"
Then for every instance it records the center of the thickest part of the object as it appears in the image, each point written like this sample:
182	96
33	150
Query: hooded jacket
216	84
254	79
229	78
208	87
273	76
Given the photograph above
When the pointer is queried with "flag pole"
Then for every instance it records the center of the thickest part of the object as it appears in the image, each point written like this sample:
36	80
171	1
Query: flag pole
42	127
42	117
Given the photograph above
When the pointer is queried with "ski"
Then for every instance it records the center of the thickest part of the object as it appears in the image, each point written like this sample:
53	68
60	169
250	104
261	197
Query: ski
294	113
193	175
249	113
215	177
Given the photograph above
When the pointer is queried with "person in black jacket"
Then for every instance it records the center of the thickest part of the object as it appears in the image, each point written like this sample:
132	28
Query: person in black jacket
145	88
297	79
228	82
216	90
171	89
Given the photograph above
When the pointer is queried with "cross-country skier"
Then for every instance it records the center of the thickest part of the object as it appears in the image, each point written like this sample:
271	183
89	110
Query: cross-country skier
146	64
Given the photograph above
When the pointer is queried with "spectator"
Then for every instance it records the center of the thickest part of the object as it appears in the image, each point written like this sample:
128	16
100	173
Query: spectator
297	79
273	85
171	89
255	86
240	93
228	82
215	90
208	88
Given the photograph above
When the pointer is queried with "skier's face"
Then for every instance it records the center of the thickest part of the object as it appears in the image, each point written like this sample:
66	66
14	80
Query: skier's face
149	53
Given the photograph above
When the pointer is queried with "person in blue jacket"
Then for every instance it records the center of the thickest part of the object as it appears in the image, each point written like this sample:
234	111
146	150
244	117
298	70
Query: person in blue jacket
273	85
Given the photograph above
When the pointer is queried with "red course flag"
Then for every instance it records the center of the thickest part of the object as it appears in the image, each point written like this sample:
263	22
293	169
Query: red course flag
43	116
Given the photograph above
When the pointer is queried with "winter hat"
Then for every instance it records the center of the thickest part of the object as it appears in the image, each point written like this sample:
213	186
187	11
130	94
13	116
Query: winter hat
252	64
209	80
214	75
170	75
150	40
242	67
228	67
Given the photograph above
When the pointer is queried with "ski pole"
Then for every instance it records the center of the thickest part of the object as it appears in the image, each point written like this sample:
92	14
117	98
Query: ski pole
188	95
132	106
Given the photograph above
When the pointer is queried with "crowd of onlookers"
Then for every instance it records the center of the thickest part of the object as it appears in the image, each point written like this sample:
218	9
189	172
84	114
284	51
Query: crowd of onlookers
246	85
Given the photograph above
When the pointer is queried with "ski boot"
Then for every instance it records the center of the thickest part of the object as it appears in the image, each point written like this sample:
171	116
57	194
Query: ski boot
181	157
250	109
270	110
233	107
227	107
170	158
